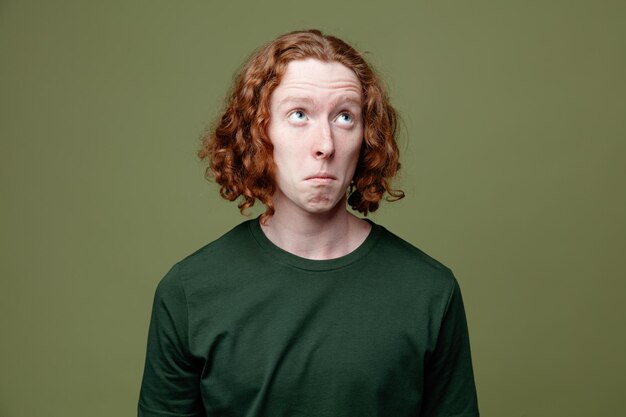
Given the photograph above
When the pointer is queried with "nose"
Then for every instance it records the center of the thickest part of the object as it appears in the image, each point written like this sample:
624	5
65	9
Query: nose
324	145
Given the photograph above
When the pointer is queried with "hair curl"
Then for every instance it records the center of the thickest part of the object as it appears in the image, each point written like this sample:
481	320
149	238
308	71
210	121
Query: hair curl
240	153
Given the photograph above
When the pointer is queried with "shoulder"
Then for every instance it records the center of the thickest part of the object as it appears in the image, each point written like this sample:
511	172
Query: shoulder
223	254
402	251
403	248
410	262
228	245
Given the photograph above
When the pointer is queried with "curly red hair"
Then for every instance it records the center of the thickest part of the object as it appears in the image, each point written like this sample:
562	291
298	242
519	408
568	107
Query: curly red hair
240	153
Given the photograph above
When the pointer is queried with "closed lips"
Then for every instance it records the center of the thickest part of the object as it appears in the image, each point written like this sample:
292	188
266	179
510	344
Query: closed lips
321	176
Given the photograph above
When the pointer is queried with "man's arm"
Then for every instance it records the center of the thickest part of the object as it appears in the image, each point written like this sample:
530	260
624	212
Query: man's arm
449	381
171	384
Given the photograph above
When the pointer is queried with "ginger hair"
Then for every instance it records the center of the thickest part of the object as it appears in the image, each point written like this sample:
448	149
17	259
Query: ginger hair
240	153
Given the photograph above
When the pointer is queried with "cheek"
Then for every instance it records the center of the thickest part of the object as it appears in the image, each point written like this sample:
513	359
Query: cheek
353	147
286	159
285	153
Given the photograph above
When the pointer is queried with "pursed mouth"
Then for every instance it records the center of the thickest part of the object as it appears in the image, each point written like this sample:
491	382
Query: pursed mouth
321	176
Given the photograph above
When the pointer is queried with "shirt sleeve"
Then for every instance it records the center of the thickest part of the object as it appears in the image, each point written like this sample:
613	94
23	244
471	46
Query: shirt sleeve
449	385
171	379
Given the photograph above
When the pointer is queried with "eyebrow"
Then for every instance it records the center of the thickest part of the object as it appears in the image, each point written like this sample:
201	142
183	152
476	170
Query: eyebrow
308	100
296	99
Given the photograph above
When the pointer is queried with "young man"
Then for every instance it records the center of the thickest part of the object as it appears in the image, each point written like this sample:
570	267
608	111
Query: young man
308	310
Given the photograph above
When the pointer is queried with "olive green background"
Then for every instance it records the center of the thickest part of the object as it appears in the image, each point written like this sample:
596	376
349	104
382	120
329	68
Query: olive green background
513	140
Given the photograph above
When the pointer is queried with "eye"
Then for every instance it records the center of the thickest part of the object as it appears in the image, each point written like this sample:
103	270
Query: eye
345	118
297	116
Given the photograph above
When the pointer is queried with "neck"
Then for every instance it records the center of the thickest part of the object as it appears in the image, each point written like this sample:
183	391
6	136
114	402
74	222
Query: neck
316	235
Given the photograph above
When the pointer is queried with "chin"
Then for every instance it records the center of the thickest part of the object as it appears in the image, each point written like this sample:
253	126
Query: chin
319	207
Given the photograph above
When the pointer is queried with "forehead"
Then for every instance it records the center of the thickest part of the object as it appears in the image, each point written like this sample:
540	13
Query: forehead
313	79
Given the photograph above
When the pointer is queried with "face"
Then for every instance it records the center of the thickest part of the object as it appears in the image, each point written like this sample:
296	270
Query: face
316	128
